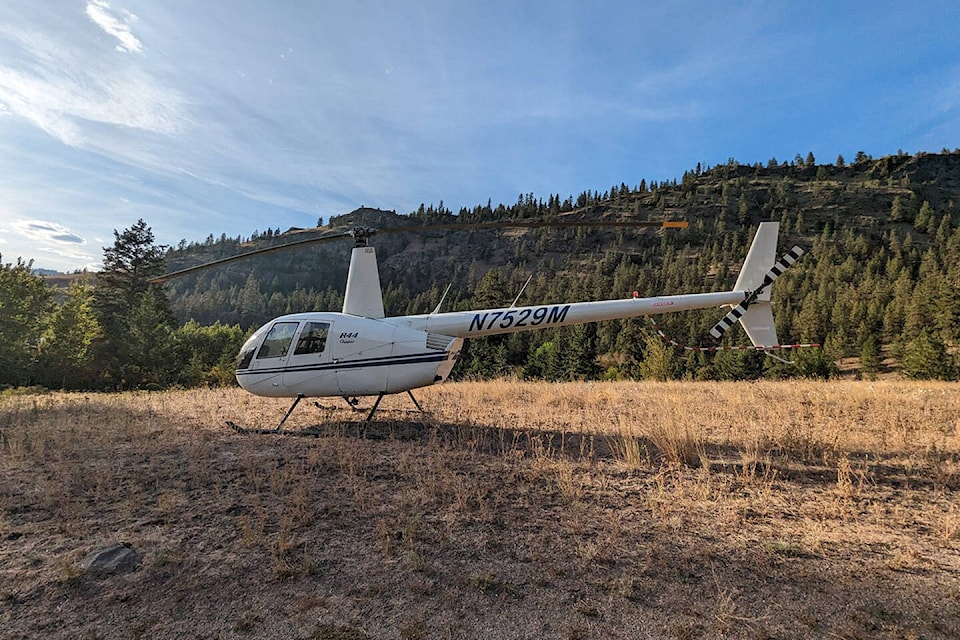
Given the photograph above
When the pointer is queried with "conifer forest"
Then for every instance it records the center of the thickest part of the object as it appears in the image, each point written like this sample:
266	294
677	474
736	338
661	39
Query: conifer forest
879	286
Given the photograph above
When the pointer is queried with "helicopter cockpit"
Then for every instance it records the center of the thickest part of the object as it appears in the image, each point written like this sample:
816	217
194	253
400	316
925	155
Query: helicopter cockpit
274	341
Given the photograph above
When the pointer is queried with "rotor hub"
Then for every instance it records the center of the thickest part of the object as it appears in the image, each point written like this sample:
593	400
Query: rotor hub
361	235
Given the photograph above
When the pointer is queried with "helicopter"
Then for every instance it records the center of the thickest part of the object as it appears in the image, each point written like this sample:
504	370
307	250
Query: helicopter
360	351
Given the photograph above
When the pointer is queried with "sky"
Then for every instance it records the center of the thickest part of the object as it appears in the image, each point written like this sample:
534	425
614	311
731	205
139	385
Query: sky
236	116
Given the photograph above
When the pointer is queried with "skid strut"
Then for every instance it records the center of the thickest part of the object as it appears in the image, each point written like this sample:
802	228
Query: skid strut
380	397
289	411
276	429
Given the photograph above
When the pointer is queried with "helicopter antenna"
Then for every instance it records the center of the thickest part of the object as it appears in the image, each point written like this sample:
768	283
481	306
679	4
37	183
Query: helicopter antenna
522	289
442	298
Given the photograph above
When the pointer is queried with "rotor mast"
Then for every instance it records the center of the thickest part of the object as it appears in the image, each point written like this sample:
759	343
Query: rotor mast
363	296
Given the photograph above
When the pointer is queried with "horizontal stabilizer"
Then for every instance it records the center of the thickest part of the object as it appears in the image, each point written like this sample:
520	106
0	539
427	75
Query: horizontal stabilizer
758	323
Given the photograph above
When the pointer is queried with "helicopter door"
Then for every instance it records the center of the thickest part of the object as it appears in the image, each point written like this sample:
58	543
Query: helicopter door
305	372
276	346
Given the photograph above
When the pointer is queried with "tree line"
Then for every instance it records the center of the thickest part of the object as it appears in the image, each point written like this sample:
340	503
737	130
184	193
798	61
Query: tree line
112	331
879	286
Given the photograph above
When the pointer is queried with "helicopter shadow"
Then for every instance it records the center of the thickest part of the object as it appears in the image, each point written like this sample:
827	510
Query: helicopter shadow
497	440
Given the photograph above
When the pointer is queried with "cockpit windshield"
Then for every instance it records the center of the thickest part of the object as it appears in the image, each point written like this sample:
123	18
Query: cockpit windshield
249	348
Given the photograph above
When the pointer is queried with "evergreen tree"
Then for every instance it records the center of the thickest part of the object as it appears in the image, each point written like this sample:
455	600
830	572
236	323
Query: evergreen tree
927	357
127	268
946	309
896	210
151	356
739	365
814	363
581	354
66	353
870	357
132	312
487	356
924	216
660	361
24	301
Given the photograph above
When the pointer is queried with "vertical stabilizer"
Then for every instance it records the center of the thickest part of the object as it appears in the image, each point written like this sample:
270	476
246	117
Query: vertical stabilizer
759	272
363	296
762	255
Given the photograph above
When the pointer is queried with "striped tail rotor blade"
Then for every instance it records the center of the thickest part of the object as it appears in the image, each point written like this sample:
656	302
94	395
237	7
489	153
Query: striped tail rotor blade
785	262
791	256
728	320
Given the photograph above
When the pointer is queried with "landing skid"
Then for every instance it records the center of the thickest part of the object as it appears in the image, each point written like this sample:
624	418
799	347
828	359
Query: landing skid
304	433
240	429
352	402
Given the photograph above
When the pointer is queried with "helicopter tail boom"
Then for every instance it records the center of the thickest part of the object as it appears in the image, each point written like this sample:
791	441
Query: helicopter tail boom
749	302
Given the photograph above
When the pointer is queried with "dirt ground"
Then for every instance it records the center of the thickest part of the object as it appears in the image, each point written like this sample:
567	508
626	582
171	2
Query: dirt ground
510	510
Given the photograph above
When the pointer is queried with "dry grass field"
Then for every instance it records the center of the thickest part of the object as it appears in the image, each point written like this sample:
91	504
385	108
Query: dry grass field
512	510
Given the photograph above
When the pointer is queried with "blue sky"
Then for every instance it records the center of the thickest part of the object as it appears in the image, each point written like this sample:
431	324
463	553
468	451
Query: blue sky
228	117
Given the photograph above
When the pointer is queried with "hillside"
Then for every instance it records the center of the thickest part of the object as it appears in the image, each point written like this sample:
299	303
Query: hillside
883	263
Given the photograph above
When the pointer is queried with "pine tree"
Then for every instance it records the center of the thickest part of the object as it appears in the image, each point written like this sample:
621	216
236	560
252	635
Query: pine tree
131	310
924	216
896	210
581	354
926	357
151	358
814	363
870	357
127	268
659	361
487	357
66	353
24	301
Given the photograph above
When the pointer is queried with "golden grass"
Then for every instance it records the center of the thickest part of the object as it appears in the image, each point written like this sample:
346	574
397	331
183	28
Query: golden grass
513	509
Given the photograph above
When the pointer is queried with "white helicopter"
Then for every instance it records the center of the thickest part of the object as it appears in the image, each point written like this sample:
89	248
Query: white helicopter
361	352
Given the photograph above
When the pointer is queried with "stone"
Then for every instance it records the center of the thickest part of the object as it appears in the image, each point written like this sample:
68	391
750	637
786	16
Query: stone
115	559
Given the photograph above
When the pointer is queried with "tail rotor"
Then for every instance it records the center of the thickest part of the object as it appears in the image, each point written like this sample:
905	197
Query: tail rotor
755	313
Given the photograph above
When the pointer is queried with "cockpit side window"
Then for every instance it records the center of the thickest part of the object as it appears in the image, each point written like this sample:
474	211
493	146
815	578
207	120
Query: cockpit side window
313	338
277	342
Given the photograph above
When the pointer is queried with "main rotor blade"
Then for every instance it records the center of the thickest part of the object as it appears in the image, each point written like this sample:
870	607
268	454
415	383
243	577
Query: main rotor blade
250	254
365	232
537	224
513	224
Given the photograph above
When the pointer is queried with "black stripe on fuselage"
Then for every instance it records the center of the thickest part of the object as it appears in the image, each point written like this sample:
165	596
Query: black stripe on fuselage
350	364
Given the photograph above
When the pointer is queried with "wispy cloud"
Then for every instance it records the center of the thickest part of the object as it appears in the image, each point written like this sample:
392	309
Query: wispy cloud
206	117
67	89
51	239
120	27
46	231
